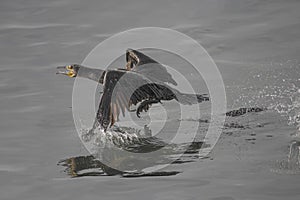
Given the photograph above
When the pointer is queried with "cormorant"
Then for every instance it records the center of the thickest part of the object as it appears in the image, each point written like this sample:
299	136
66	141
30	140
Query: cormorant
143	81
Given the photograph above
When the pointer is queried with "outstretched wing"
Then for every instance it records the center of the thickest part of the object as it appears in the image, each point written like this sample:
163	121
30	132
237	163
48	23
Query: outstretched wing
121	90
143	64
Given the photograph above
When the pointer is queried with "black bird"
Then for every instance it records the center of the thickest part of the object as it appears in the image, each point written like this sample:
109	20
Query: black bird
143	81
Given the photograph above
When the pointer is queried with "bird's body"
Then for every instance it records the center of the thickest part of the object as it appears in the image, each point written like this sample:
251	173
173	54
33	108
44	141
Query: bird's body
143	81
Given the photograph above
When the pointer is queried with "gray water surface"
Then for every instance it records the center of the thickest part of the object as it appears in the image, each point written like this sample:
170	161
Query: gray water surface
249	40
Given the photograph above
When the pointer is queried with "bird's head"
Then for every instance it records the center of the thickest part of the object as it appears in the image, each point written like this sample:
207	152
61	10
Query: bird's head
131	58
68	70
135	57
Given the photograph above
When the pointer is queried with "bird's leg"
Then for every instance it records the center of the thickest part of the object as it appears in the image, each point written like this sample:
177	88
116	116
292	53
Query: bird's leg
145	105
95	125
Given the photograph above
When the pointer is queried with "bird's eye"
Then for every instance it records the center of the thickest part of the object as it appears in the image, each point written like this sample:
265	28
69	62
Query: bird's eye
69	67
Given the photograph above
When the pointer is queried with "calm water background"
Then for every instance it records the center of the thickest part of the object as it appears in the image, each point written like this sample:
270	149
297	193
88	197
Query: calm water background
254	43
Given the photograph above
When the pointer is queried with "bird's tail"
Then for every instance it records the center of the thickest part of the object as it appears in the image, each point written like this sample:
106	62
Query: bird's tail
188	99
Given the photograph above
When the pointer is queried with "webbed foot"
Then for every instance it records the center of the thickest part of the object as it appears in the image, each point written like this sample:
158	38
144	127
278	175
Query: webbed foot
145	105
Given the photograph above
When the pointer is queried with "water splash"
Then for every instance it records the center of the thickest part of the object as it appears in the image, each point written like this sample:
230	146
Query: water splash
119	136
276	87
292	164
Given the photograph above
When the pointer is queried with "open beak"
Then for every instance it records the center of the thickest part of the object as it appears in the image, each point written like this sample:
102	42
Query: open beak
65	71
62	70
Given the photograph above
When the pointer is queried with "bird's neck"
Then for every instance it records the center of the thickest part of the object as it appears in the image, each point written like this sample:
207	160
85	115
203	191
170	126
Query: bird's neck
90	73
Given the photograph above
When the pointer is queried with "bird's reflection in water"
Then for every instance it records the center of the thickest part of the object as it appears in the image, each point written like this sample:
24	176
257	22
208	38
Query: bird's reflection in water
96	165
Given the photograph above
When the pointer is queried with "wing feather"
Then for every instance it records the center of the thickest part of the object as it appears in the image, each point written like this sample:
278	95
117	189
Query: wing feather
123	89
143	64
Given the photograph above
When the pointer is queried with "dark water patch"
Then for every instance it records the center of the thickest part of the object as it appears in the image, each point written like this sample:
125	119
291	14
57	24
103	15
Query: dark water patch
250	139
143	174
195	120
242	111
234	125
